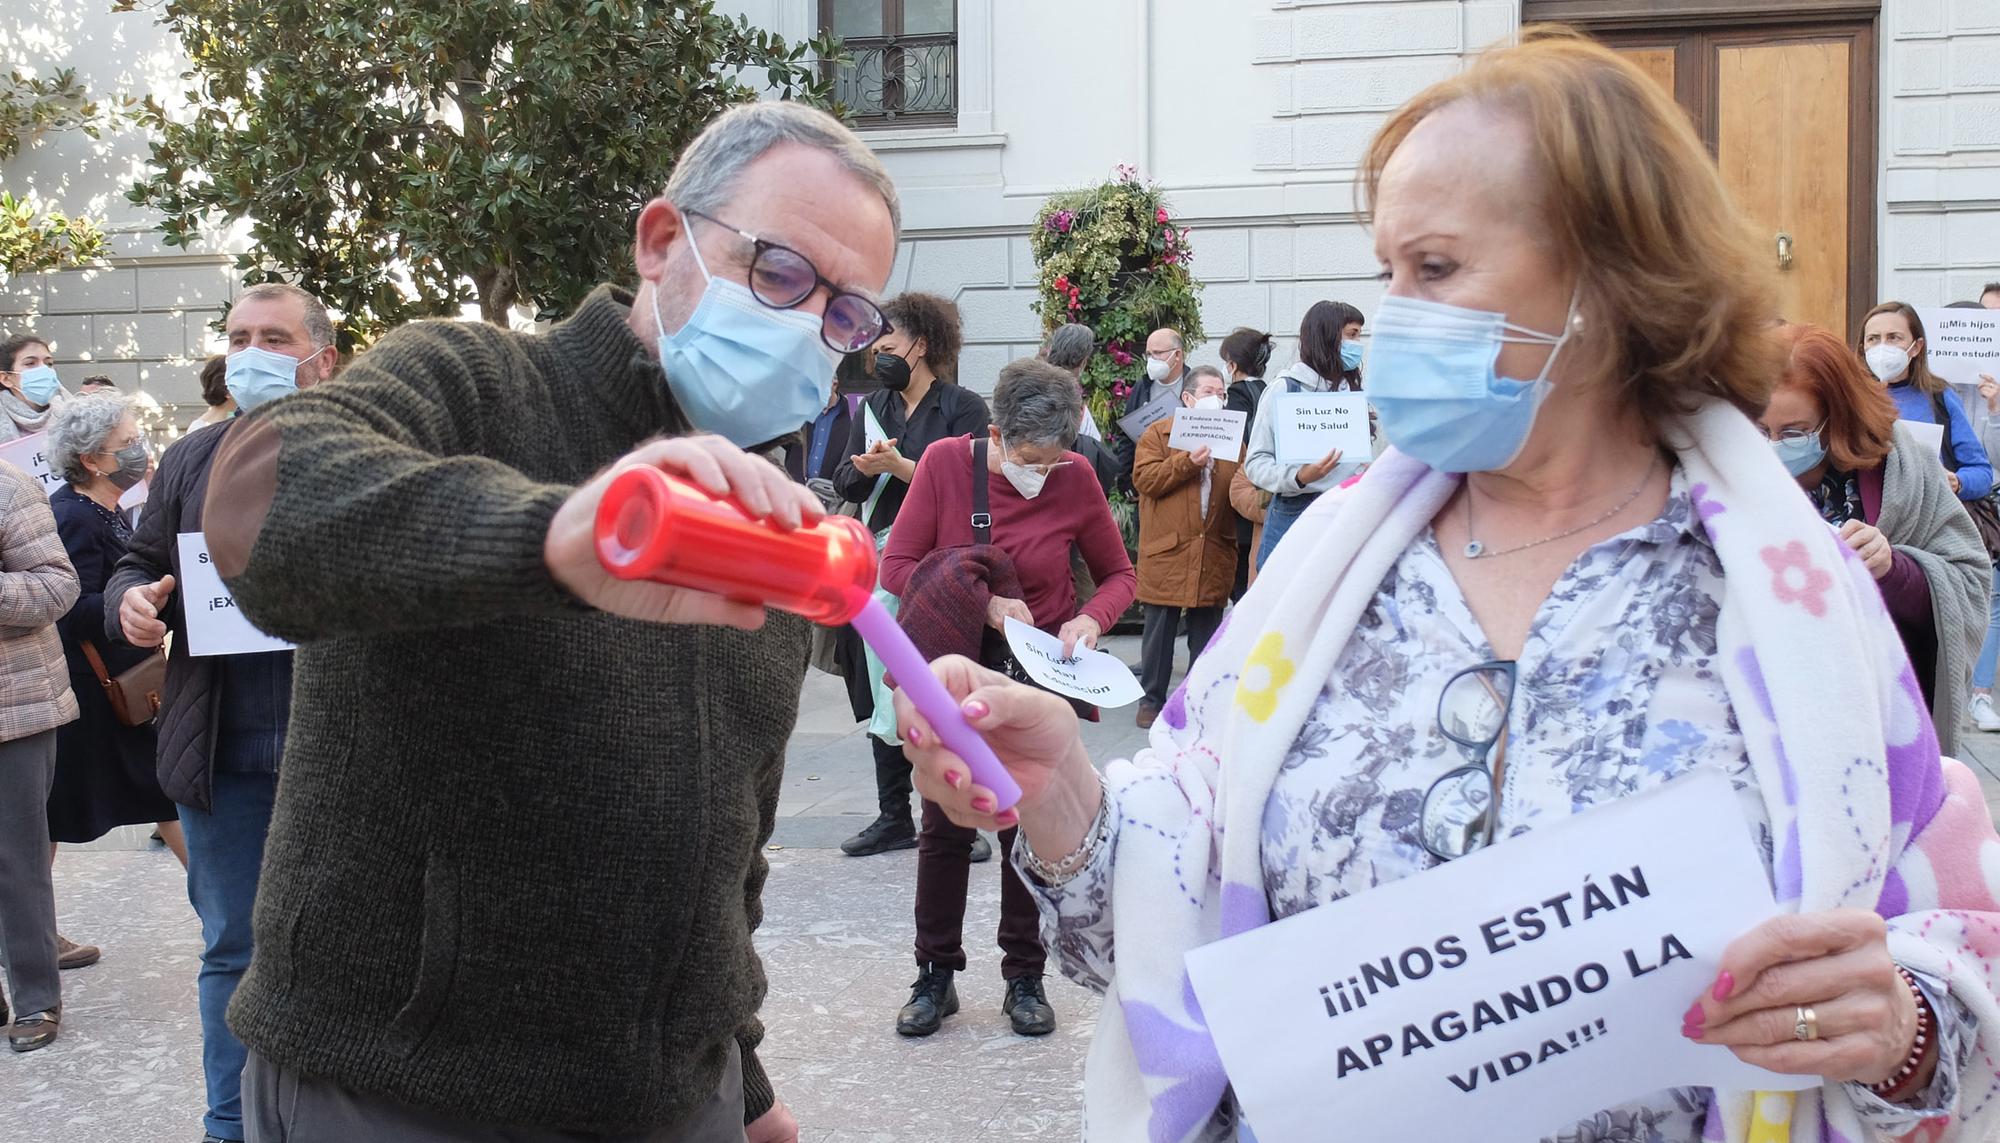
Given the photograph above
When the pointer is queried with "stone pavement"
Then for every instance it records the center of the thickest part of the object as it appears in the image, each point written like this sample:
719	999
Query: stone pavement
836	942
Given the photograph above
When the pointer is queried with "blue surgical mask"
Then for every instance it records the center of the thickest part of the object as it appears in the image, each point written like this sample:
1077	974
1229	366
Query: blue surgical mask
1431	380
1350	355
1800	455
39	384
741	369
256	376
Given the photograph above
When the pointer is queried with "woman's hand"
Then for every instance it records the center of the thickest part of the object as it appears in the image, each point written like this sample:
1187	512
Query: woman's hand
1318	469
1990	389
1079	632
1837	963
879	459
999	609
1871	545
1952	477
1033	732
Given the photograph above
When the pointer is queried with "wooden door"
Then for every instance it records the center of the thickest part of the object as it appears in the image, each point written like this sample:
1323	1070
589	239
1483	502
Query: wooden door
1788	113
1782	142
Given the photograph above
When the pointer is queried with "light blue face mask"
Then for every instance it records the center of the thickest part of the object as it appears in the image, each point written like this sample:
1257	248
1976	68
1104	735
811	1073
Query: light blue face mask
741	369
39	384
1350	355
1431	381
1800	455
256	376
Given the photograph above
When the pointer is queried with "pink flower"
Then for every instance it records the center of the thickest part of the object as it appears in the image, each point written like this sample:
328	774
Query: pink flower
1810	591
1162	215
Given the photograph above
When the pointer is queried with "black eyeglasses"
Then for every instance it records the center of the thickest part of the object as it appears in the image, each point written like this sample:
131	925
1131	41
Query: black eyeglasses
782	278
1461	809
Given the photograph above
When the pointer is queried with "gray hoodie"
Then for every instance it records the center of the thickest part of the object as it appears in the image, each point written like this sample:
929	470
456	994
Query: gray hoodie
1261	463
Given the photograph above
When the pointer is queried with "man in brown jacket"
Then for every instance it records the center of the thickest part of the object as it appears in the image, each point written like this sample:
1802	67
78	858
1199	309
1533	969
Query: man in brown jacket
37	587
1187	541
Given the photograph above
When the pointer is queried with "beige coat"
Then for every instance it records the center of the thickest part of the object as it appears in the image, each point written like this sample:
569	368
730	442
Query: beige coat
1184	559
37	587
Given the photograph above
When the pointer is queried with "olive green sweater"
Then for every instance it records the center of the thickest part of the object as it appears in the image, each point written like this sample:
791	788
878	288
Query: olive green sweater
517	853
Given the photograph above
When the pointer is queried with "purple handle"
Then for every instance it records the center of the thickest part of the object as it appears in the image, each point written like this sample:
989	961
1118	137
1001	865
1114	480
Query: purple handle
913	676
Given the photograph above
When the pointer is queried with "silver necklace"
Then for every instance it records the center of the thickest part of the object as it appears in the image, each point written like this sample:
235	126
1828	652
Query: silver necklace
1475	550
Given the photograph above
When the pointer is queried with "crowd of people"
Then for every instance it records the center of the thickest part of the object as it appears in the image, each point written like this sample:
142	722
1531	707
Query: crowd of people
1654	554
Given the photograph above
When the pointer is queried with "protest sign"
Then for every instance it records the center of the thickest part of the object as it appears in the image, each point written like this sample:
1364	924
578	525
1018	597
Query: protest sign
1310	425
1521	988
1088	676
1928	434
1962	344
1218	430
1161	406
214	624
30	454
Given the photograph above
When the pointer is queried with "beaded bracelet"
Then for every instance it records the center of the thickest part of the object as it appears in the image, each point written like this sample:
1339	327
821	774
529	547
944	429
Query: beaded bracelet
1056	874
1891	1090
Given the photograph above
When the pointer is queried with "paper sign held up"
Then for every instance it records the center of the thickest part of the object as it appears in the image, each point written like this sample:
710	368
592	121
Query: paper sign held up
1310	425
1962	344
1929	435
1218	430
214	625
1521	988
1160	407
30	454
1088	676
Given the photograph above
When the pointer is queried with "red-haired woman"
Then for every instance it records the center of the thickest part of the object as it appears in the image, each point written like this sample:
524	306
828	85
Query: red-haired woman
1835	430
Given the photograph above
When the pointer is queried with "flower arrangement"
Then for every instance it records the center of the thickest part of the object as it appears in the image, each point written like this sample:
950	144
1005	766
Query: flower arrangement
1111	257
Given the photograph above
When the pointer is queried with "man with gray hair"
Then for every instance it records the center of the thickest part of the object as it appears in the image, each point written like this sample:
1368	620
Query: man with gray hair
517	856
222	720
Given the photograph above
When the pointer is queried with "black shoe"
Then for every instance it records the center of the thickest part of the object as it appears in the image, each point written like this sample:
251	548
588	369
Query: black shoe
1028	1006
883	834
932	998
982	850
36	1031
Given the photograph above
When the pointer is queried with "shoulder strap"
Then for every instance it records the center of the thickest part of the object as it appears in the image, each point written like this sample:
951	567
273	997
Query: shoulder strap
982	520
96	664
1943	415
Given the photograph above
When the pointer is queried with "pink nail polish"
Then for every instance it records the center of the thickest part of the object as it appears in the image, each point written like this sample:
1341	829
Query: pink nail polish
983	804
1009	819
916	736
1724	985
954	779
1691	1031
1693	1016
973	708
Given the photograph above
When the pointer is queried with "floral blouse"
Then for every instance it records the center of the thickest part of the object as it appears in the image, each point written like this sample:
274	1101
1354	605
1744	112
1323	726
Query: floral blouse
1617	693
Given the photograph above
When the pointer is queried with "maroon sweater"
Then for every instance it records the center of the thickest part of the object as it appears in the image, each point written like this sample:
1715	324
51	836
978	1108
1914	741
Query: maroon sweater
937	513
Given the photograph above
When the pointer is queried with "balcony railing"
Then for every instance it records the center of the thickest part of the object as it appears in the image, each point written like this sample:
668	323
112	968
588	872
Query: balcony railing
902	80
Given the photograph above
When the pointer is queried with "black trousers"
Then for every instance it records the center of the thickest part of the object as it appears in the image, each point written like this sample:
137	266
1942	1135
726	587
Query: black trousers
944	867
1156	644
893	784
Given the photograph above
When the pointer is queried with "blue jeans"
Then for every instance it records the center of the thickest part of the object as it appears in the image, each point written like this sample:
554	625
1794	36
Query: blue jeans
1278	520
1989	653
225	853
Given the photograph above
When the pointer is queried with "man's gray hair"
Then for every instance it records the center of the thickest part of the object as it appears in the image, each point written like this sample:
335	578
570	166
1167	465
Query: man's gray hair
1071	346
79	429
706	174
1192	381
1035	403
319	325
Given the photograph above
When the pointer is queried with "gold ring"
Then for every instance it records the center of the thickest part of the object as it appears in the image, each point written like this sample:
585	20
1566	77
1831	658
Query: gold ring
1807	1025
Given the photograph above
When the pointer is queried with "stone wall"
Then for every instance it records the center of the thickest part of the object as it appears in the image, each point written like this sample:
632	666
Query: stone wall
1940	231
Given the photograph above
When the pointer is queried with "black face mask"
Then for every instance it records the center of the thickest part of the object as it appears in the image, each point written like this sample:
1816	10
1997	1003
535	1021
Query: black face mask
892	372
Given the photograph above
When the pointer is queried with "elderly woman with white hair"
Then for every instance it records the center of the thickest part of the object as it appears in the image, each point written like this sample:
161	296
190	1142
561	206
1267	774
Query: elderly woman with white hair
104	769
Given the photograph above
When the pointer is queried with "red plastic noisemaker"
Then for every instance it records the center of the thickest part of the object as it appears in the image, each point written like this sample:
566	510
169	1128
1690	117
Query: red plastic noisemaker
655	526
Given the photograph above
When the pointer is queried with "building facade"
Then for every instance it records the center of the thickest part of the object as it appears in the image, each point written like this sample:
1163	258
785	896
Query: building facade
1863	134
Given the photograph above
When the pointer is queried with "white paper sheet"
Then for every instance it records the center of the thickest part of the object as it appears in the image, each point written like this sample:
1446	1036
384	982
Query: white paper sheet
1089	676
1929	435
1310	425
214	624
1521	988
30	454
1962	344
1221	430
